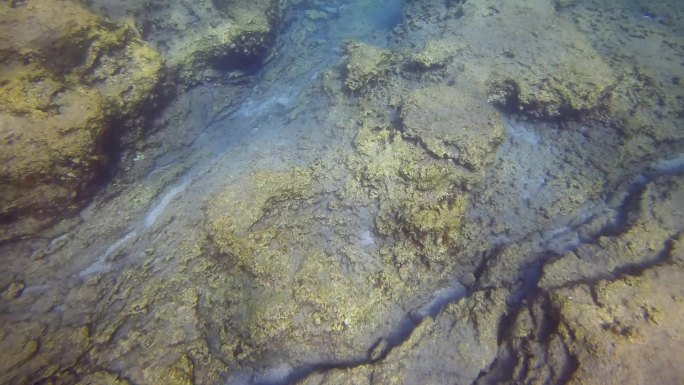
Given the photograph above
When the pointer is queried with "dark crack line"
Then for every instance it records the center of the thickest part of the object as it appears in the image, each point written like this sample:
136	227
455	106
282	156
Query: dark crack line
380	348
531	274
624	202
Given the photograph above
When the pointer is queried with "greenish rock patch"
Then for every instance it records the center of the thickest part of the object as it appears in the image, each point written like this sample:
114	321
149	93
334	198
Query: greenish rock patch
67	78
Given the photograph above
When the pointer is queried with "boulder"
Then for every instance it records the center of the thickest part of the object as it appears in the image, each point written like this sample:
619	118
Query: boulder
68	78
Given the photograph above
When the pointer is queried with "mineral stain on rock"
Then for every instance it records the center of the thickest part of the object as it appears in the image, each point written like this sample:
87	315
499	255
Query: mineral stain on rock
341	192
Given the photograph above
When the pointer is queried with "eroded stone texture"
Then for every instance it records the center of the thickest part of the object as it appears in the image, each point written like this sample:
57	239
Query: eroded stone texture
309	261
300	280
66	76
658	220
436	54
628	331
646	102
367	65
536	63
454	347
625	330
379	222
240	40
203	40
610	310
453	125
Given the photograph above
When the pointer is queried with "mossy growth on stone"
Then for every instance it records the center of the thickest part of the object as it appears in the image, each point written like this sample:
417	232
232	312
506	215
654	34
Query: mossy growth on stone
233	229
453	124
556	87
436	54
419	197
366	65
66	75
234	47
272	234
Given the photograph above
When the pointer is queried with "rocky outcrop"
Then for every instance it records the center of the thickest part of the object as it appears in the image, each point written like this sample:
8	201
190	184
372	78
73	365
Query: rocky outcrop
436	54
304	251
238	41
401	231
543	66
453	125
203	40
273	234
366	66
614	300
67	77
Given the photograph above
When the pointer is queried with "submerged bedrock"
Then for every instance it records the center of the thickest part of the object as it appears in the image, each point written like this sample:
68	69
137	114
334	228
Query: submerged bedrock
393	192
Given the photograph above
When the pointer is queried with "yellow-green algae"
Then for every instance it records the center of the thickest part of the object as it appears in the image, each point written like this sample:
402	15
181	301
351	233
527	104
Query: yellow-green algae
379	221
269	227
65	75
205	39
534	61
601	312
422	358
366	64
242	35
436	53
171	353
452	124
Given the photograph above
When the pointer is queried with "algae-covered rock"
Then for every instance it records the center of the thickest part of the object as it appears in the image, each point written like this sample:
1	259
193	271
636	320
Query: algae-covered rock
532	60
422	195
657	219
366	65
421	200
453	347
202	40
613	301
453	125
634	321
211	39
436	54
570	91
66	75
463	338
297	280
21	345
644	108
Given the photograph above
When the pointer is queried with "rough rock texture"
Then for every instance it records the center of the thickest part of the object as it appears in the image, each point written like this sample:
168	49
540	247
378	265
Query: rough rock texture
436	54
570	78
566	330
626	331
240	41
67	78
306	282
452	125
366	66
203	40
378	222
608	313
646	102
424	358
302	236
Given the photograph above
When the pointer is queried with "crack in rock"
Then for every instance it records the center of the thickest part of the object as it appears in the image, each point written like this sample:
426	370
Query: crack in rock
377	351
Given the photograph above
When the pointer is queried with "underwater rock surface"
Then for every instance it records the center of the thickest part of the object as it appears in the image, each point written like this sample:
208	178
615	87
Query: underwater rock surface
69	80
202	40
342	192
